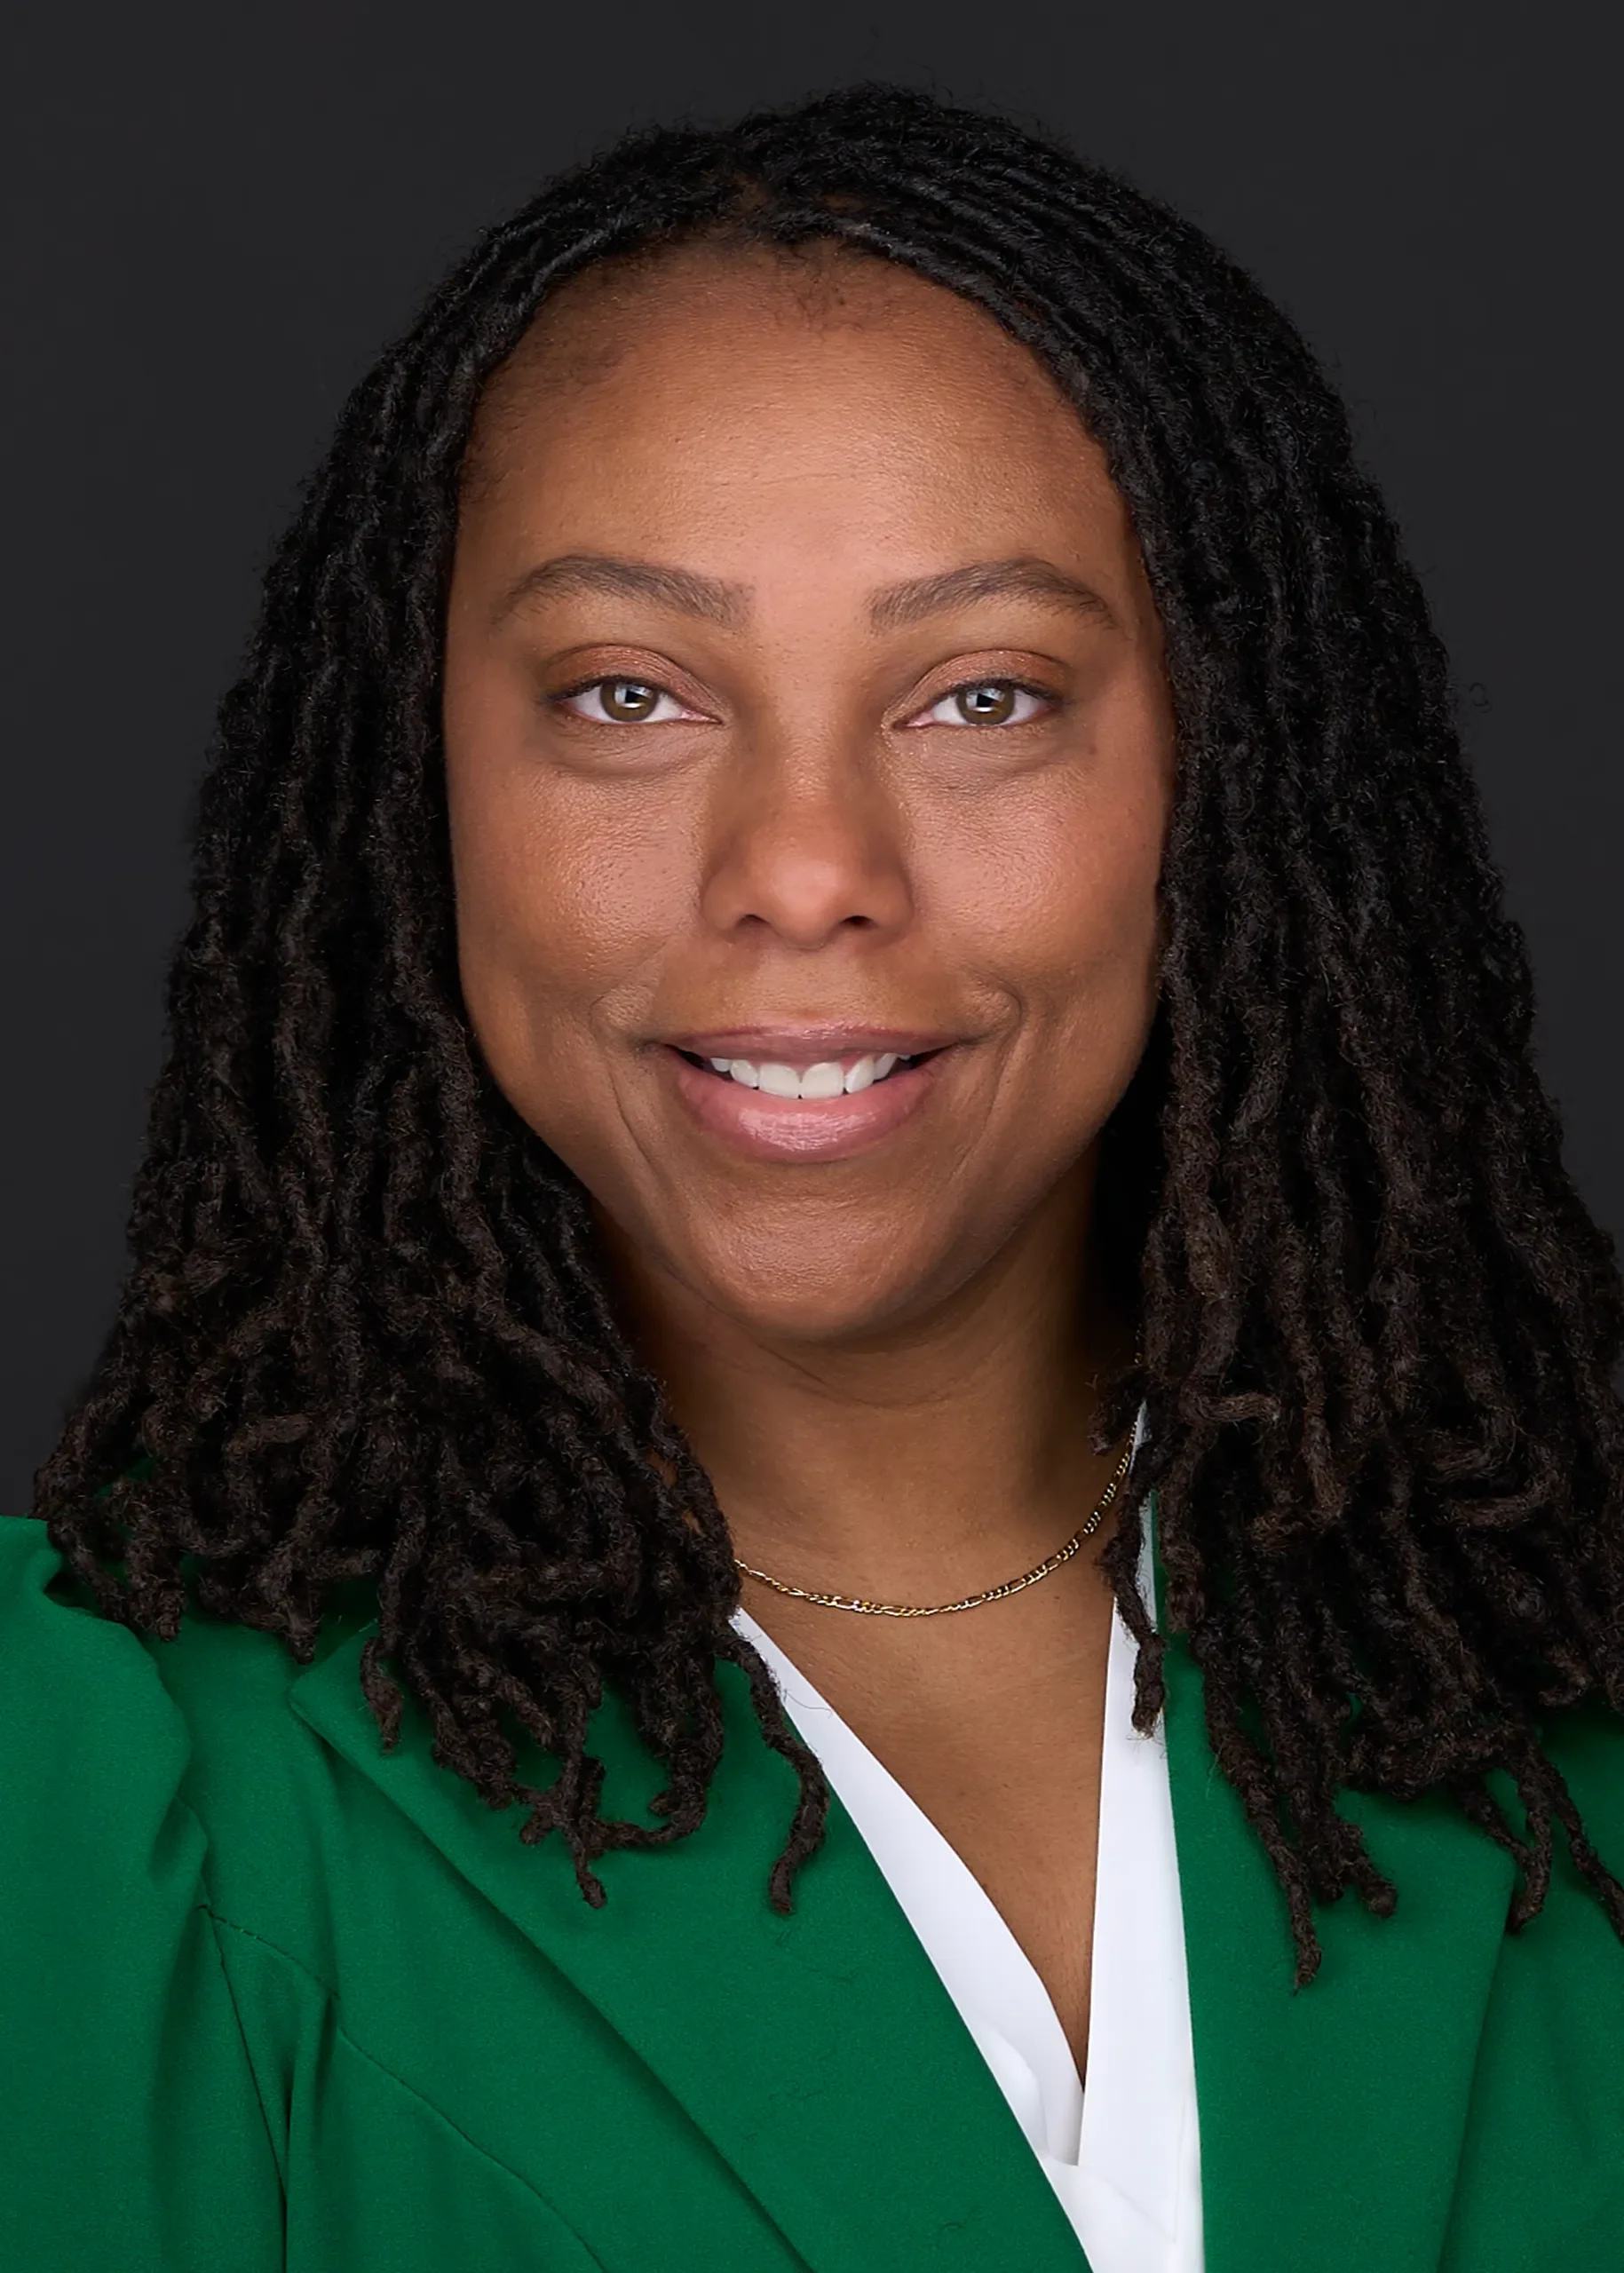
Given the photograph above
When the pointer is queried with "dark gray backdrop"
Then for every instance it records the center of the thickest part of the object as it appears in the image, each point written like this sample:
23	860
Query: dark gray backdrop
219	212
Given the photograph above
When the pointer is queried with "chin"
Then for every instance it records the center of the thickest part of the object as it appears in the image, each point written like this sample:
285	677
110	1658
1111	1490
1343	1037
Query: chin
824	1291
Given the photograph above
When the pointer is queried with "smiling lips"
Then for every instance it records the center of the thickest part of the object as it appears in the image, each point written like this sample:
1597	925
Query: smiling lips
803	1097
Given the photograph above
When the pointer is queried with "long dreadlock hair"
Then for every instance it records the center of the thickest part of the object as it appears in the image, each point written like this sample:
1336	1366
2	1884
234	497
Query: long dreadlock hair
365	1334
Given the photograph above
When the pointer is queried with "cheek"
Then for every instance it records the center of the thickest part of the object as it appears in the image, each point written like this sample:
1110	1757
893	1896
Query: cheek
562	910
1091	972
1059	908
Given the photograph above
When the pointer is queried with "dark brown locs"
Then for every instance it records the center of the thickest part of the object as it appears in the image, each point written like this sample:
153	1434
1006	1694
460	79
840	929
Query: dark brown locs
365	1335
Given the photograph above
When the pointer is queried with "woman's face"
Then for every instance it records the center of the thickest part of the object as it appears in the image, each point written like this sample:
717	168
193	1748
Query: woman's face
810	760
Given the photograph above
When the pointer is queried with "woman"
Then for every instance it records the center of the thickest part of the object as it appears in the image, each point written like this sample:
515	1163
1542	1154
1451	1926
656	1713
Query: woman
843	963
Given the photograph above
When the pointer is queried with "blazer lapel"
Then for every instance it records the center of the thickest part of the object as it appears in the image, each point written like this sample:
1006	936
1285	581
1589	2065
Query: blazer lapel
1331	2118
819	2052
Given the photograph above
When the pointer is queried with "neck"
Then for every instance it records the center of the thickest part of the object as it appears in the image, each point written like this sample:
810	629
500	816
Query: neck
914	1462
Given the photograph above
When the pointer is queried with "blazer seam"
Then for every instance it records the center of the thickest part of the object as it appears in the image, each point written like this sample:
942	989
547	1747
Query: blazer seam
485	2154
473	2145
287	1956
230	1988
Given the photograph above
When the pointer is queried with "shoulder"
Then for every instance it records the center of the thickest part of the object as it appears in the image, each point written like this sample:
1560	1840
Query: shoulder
119	1753
1537	2180
65	1668
81	1705
1557	2006
1588	1745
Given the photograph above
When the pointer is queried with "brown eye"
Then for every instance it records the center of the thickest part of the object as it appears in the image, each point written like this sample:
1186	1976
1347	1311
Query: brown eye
627	699
987	702
992	704
623	703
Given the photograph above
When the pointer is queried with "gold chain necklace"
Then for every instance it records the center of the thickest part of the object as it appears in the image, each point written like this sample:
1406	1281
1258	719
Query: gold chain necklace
1085	1530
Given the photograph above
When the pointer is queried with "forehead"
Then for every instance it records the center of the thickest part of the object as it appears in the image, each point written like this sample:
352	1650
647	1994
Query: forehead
662	302
637	347
815	423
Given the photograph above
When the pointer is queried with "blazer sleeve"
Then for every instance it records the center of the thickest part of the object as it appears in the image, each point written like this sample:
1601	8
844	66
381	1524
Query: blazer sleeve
131	2135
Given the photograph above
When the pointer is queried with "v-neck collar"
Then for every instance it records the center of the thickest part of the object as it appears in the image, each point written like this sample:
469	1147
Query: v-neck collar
818	2052
825	2062
1122	2158
993	1983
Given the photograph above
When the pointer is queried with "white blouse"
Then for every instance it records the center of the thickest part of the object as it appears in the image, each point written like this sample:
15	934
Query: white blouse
1124	2155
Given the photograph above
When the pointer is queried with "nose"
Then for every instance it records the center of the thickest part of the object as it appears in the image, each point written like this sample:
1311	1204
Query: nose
806	846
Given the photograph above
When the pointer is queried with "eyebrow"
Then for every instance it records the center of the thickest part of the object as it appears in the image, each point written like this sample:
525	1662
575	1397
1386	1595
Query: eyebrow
642	580
728	605
984	579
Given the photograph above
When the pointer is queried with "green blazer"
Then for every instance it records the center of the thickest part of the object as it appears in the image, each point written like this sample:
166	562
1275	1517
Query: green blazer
272	1998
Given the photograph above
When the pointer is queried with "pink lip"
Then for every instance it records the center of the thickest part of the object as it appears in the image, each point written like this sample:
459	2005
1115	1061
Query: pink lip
796	1129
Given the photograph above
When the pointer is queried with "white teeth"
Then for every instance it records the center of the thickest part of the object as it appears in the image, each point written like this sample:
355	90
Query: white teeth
828	1079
